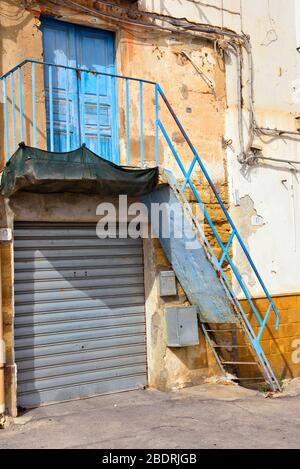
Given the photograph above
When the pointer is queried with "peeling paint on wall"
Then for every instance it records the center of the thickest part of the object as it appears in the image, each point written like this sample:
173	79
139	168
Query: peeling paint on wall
244	216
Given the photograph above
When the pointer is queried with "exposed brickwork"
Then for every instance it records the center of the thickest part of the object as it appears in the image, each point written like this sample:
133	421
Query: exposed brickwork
215	212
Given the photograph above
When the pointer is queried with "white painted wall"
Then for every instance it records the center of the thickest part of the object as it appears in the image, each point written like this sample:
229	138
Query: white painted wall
272	189
223	13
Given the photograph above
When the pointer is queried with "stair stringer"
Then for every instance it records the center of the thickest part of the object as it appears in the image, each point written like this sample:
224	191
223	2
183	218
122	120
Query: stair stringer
192	266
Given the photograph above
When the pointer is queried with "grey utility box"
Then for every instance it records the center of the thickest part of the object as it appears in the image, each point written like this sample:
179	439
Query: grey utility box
167	283
182	326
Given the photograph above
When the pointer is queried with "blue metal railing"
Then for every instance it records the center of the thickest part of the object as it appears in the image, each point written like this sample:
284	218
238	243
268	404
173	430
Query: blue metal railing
159	129
188	180
23	125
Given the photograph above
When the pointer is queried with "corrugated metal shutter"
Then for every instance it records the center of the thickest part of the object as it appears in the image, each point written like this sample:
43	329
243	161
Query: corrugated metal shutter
79	313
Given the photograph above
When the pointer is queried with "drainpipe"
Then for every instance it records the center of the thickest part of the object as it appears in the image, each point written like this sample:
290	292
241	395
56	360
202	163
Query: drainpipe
2	359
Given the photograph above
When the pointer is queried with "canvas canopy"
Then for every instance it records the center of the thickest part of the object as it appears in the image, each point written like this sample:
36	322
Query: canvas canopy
34	170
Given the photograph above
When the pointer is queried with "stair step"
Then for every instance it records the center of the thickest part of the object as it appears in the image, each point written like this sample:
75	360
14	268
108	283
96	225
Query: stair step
221	330
229	346
249	379
239	363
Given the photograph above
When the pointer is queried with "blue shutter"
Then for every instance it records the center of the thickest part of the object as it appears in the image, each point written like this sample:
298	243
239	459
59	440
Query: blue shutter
91	117
60	49
95	51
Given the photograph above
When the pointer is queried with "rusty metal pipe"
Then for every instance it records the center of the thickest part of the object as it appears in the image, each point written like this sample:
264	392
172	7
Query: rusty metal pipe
2	358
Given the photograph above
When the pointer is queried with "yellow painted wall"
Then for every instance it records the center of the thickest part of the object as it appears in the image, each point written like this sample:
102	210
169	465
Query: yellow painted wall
282	348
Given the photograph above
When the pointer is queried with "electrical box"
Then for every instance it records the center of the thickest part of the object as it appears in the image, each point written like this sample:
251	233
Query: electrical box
167	283
182	326
5	234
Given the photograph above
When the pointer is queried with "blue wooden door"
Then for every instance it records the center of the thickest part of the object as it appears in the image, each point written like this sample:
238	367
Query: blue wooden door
80	106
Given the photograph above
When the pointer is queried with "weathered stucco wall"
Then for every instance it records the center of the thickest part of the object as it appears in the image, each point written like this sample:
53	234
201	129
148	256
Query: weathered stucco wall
20	38
270	190
222	13
201	110
7	274
170	368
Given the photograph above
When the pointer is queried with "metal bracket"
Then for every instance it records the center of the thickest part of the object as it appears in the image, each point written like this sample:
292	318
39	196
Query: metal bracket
5	234
2	352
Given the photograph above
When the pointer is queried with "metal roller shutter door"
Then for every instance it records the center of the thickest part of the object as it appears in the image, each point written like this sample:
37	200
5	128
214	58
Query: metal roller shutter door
79	313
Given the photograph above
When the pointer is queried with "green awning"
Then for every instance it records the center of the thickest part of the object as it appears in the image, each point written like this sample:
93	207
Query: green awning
81	170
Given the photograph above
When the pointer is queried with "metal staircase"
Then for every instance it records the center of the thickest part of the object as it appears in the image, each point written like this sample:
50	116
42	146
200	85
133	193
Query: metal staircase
189	177
230	362
223	343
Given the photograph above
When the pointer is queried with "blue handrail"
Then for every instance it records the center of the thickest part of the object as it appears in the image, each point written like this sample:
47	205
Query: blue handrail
40	62
255	339
9	77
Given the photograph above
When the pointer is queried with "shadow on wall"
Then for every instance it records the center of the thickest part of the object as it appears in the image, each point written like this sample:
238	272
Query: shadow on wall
199	12
19	39
28	126
18	20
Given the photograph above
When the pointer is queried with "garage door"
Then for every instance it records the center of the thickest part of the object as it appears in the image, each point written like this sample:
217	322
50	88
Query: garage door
79	313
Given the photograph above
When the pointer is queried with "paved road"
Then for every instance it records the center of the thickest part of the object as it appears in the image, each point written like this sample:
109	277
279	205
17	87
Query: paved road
208	416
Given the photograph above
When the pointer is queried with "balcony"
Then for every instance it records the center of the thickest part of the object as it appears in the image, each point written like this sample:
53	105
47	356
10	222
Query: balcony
59	108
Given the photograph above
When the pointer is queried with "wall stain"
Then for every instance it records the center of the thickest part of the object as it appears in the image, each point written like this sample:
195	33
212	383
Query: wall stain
184	91
242	216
